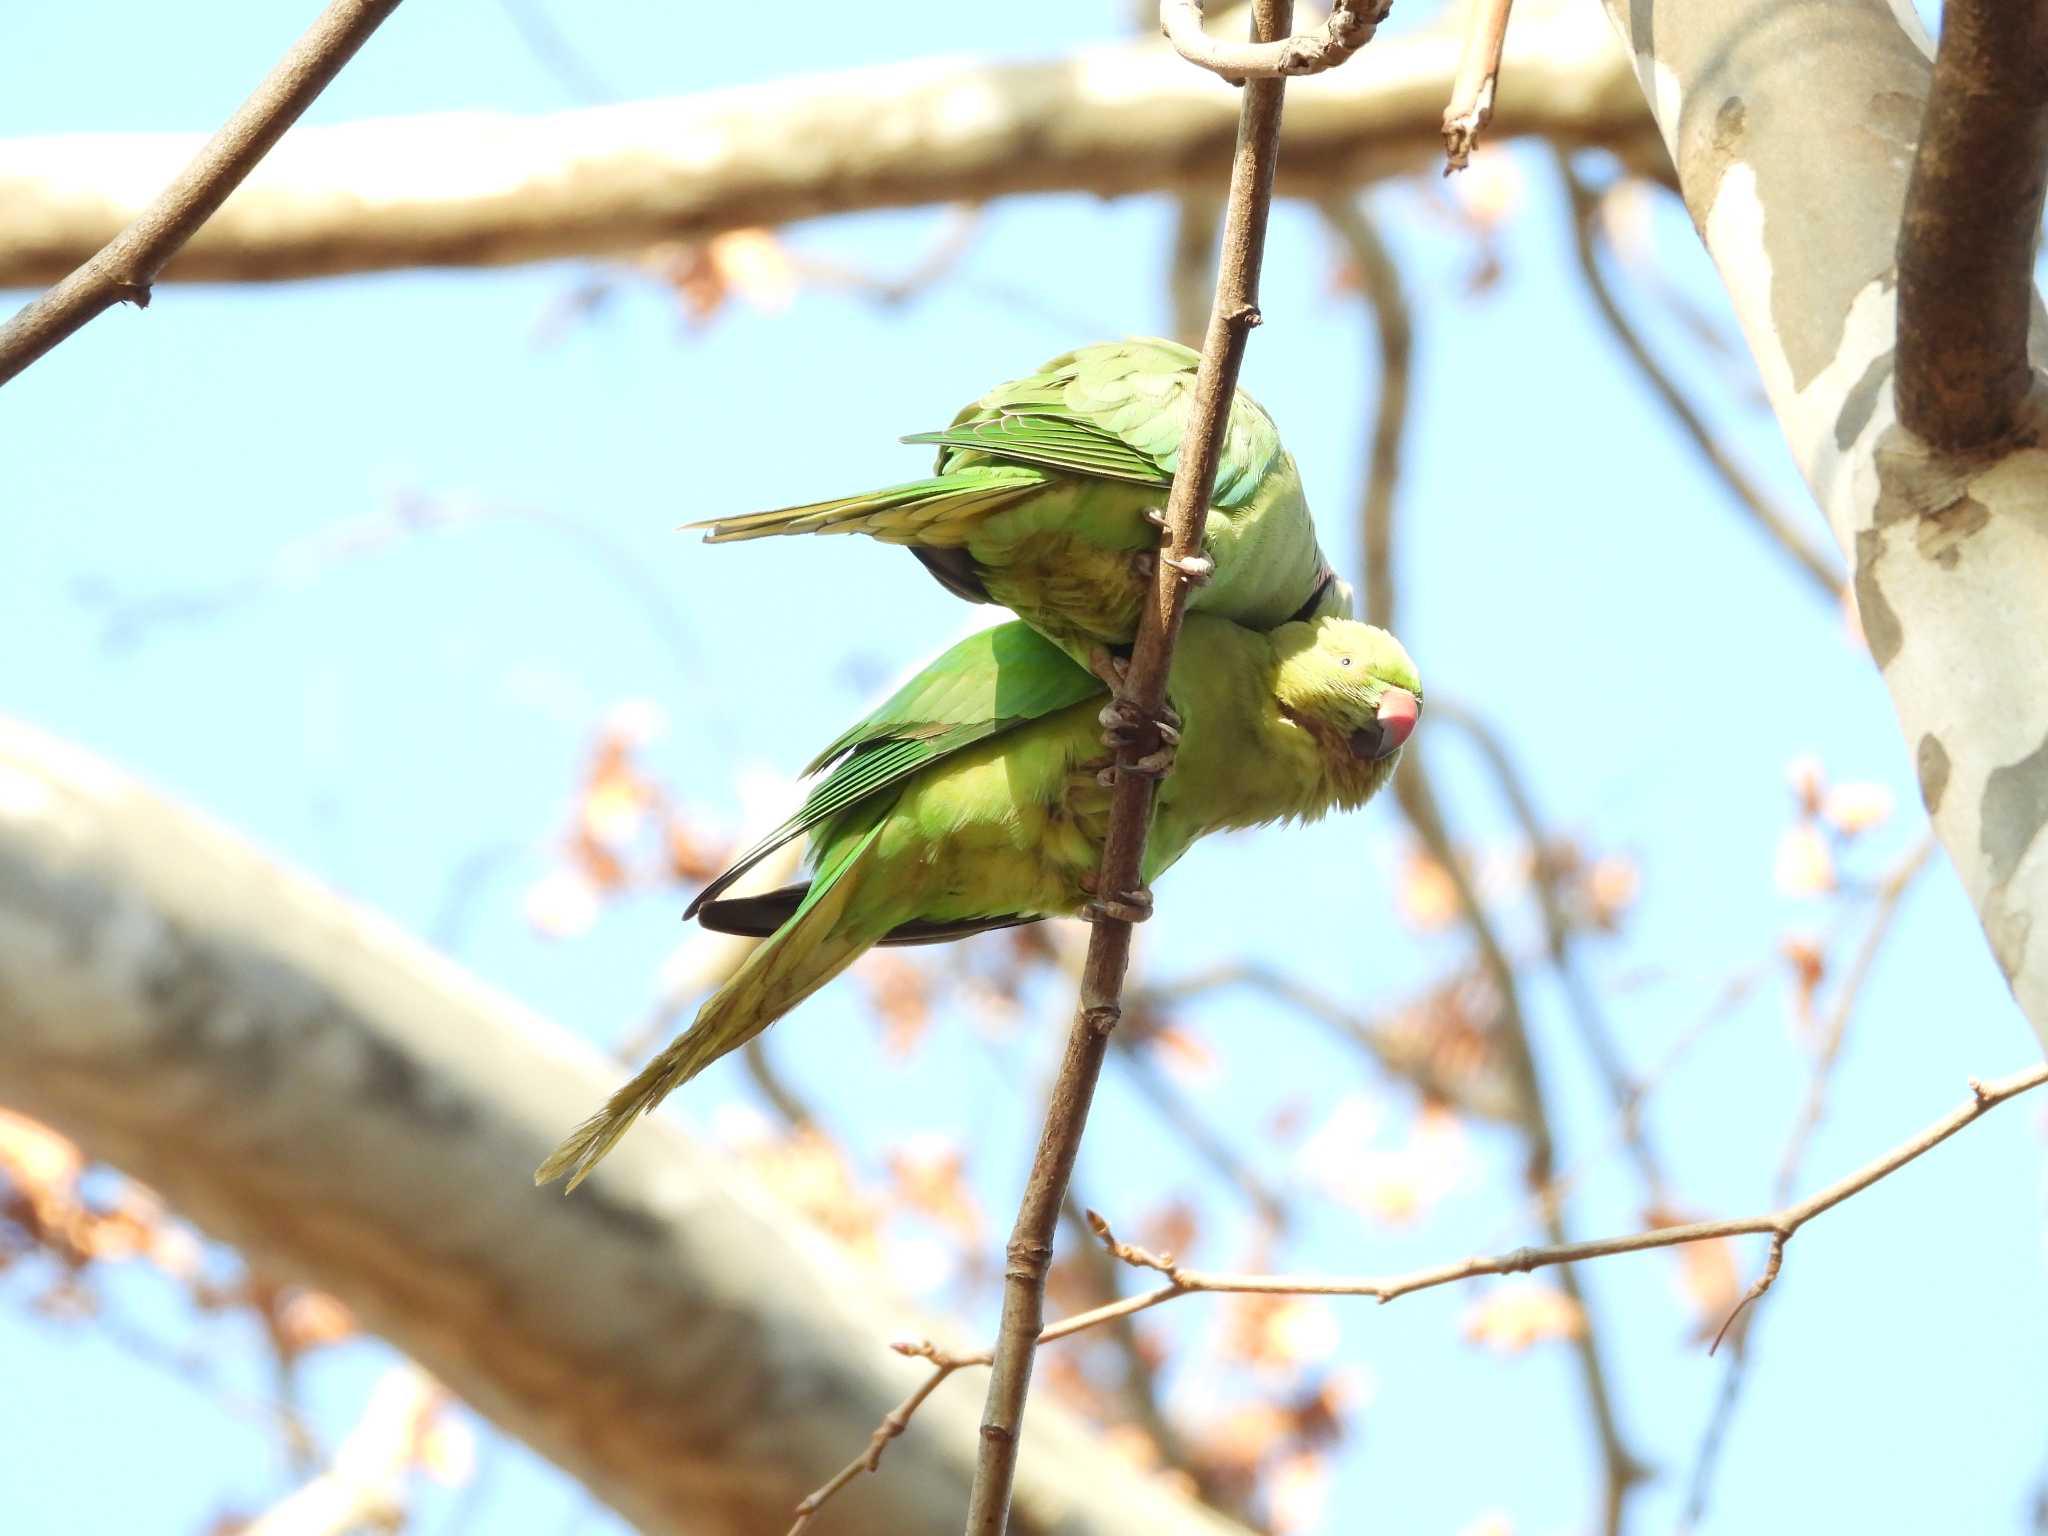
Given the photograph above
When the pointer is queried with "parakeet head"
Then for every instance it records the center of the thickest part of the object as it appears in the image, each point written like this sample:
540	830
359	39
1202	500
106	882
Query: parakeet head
1354	688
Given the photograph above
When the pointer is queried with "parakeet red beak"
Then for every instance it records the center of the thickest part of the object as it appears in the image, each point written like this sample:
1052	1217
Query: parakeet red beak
1399	710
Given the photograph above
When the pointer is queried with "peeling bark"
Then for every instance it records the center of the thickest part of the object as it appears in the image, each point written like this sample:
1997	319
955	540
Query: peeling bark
1793	128
483	190
345	1106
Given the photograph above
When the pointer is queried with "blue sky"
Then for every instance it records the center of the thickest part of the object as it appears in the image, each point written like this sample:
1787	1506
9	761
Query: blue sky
1566	571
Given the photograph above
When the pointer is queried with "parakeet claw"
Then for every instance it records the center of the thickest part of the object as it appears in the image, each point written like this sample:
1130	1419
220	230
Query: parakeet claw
1124	725
1156	516
1194	569
1124	906
1109	668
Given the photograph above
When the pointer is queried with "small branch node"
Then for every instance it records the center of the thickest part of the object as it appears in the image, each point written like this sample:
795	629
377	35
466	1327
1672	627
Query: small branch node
1980	1093
1132	1254
1764	1281
1027	1260
1103	1018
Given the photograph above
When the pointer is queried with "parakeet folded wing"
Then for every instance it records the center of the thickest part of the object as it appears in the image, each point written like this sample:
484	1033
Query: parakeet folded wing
991	682
1115	411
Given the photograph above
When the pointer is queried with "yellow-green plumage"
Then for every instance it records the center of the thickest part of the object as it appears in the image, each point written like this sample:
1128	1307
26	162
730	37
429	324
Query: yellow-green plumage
971	799
1039	500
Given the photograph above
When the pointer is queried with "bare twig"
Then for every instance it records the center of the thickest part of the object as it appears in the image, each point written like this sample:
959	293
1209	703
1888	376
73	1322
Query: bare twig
893	1424
1417	800
1767	515
1478	1092
1191	272
1418	805
1167	1101
1890	893
555	53
769	1082
1971	222
1472	93
1030	1248
125	269
1379	280
1349	27
1779	1225
1598	1037
1141	1376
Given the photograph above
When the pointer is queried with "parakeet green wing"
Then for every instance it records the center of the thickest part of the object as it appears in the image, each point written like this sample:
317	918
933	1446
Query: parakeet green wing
1044	491
1115	411
993	681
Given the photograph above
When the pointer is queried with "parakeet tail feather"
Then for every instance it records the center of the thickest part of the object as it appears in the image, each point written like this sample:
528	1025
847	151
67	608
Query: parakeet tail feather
816	944
935	511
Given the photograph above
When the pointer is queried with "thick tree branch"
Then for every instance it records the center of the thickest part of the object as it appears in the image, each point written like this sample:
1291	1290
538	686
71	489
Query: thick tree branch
124	269
1943	548
473	189
349	1109
1231	319
1971	223
1766	514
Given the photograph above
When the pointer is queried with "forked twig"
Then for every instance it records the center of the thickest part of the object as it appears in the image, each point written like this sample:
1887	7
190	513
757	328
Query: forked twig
1350	26
1779	1225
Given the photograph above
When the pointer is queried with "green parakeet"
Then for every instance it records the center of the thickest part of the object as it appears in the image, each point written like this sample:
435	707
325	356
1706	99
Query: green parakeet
971	800
1041	495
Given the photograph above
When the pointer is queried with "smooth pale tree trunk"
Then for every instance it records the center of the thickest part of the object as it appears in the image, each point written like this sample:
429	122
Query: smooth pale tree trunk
348	1108
1793	128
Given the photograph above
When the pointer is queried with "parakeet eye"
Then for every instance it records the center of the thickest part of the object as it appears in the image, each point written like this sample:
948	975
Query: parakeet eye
1343	661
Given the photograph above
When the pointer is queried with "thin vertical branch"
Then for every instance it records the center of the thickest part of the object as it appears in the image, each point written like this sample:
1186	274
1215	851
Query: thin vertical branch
1598	1036
1771	518
1418	805
1891	893
1029	1253
1417	800
1191	277
124	269
1379	280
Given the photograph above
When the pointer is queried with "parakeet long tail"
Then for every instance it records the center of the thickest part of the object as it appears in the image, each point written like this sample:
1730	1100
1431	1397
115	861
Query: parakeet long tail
922	511
806	952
